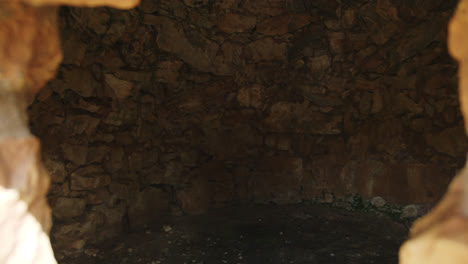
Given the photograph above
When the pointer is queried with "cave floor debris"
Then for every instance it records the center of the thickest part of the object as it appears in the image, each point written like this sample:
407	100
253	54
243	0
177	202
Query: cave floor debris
257	234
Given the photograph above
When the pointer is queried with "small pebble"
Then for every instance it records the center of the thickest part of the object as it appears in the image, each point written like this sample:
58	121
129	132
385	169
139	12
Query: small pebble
167	228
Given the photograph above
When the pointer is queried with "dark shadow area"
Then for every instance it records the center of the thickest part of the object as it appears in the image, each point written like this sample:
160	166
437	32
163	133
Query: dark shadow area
258	234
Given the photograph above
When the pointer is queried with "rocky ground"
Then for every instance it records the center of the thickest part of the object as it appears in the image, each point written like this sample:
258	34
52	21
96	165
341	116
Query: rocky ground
257	234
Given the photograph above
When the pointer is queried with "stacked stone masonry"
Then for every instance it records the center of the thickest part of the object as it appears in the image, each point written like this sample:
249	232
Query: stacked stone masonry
180	106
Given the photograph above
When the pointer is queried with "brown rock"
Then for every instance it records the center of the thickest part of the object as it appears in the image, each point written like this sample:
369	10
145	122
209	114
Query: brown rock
280	25
122	88
320	176
451	141
337	41
88	178
348	18
365	103
239	141
265	8
65	207
190	158
367	85
113	118
277	179
403	104
66	233
98	196
323	100
148	6
217	179
278	142
115	161
301	118
148	207
78	124
373	63
195	199
251	96
98	154
172	174
73	48
232	23
77	154
332	24
357	41
265	50
133	76
319	64
135	161
377	102
168	71
56	169
88	106
232	53
228	4
171	38
386	10
81	82
124	190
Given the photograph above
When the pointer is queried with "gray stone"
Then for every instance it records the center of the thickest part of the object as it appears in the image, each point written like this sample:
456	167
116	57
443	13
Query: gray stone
378	202
410	211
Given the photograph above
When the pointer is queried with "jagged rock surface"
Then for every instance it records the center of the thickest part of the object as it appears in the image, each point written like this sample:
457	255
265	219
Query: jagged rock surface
180	106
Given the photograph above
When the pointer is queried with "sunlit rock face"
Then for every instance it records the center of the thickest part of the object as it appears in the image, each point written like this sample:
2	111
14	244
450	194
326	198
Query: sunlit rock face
181	106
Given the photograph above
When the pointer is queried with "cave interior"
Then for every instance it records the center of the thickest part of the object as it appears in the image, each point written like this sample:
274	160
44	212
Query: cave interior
287	131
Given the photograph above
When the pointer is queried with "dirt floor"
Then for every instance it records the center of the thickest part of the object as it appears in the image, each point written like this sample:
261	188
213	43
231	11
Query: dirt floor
258	234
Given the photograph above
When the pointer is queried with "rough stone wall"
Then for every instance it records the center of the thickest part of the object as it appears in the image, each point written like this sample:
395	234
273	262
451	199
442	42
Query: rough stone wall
180	106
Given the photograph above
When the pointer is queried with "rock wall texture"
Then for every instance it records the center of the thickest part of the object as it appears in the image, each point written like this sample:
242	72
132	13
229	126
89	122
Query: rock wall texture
181	106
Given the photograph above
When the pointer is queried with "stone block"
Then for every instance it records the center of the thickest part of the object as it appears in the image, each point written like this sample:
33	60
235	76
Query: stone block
65	208
277	179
